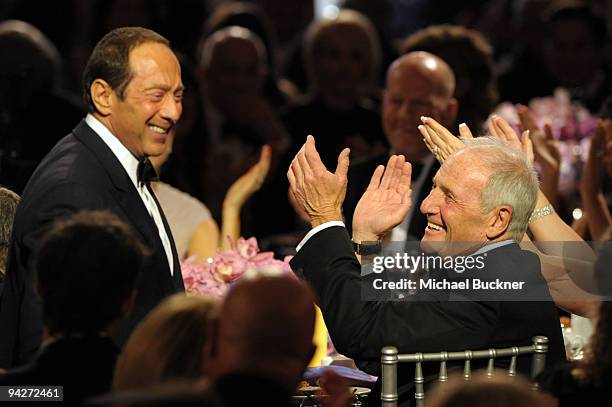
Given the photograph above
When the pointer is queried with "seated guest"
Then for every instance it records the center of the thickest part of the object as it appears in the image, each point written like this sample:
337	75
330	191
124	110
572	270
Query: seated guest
482	391
418	84
87	268
167	344
256	350
342	59
258	340
239	117
483	196
471	57
8	205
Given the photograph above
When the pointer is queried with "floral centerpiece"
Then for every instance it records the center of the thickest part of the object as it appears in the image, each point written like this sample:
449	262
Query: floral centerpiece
215	275
572	126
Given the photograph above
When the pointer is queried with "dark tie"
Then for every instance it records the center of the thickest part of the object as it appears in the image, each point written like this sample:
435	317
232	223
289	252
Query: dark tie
146	172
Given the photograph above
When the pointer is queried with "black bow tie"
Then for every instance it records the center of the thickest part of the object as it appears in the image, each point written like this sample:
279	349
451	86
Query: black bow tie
146	172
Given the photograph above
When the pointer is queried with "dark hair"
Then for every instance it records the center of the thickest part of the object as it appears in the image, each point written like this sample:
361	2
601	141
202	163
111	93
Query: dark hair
110	59
598	358
87	267
8	206
572	10
470	56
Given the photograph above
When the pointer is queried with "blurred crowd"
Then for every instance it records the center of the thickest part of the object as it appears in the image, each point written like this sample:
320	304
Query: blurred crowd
268	72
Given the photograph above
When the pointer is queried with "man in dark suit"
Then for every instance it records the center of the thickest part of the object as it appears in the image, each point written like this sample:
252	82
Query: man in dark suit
133	88
86	269
466	215
418	84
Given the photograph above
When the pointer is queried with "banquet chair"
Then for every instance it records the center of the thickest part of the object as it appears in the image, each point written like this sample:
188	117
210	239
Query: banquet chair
390	358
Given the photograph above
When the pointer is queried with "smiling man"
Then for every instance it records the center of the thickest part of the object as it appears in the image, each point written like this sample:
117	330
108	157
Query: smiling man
133	89
480	204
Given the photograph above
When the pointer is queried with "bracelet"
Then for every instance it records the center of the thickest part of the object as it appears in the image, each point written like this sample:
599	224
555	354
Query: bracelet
540	213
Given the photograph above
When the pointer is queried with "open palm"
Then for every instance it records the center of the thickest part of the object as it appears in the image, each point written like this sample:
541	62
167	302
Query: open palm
386	201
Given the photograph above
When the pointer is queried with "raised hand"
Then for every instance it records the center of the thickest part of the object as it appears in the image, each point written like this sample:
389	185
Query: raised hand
441	142
385	202
501	130
249	183
545	147
316	189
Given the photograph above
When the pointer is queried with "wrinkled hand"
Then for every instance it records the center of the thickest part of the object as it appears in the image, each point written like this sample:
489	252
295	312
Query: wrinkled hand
546	149
386	201
336	388
317	190
501	130
441	142
249	183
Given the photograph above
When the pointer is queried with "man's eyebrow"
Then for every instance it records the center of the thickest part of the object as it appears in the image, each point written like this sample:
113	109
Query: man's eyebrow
164	87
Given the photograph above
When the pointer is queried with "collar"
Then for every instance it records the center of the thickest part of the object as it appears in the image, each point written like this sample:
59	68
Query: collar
125	157
492	246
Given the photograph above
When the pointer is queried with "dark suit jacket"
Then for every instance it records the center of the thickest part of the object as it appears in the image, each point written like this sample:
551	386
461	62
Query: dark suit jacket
79	173
84	366
359	175
360	329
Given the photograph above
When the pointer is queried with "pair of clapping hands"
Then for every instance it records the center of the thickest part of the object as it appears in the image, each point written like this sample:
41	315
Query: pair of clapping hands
321	193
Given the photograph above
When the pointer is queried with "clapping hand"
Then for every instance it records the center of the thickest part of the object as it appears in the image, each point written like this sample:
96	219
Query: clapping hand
315	189
250	182
385	202
441	142
545	147
501	130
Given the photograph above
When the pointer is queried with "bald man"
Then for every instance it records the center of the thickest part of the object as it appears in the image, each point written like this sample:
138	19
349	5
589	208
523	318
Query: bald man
418	84
262	338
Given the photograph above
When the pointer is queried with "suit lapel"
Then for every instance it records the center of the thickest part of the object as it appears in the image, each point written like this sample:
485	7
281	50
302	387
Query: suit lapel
128	198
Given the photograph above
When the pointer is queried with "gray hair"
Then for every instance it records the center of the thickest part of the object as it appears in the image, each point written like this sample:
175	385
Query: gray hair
8	206
512	181
209	45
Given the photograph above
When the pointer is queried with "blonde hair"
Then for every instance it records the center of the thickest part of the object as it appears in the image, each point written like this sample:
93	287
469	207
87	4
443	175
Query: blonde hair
347	18
167	345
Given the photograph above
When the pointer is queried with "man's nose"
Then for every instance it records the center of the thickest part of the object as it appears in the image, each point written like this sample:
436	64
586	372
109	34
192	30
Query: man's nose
172	109
429	206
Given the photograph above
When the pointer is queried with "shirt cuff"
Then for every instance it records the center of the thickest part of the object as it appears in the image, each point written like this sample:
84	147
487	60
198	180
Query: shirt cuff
316	230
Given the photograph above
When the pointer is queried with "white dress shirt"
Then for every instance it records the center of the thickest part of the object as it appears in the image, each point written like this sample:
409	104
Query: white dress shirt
130	164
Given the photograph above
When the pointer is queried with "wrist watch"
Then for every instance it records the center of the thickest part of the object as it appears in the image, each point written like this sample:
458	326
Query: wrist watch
368	248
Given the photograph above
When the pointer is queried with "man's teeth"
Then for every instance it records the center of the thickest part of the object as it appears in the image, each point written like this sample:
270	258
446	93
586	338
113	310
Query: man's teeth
158	129
433	226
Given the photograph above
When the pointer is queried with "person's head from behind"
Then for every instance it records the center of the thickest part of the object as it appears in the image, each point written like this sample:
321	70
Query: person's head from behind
470	56
482	194
8	206
483	391
232	63
265	327
342	58
132	84
418	84
167	345
30	64
574	44
87	266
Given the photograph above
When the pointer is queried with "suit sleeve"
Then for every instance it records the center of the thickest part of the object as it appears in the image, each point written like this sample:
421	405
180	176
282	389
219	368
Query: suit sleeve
359	329
21	310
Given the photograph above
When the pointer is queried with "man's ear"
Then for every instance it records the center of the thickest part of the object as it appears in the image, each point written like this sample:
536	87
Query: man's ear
102	96
451	111
499	221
